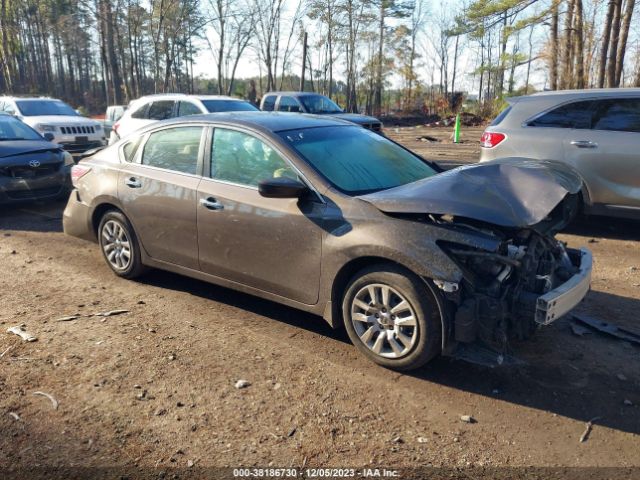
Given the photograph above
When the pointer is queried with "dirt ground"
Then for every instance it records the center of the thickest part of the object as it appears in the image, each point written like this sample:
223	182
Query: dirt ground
154	387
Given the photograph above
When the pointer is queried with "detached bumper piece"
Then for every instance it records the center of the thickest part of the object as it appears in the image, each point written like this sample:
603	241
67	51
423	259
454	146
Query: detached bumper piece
559	301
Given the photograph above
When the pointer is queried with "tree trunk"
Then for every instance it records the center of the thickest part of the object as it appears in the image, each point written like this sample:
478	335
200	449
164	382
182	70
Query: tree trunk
624	35
613	48
579	45
602	66
555	47
567	74
377	99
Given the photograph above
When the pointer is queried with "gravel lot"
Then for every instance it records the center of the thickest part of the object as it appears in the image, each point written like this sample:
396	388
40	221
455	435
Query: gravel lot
154	387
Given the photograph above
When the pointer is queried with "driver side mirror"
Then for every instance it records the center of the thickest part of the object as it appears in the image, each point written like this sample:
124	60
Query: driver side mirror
282	187
48	136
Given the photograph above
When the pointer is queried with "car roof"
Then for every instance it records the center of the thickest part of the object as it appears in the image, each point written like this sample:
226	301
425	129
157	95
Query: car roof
558	95
266	121
295	94
184	95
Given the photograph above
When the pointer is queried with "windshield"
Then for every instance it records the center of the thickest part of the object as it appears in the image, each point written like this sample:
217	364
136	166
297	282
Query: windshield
319	104
32	108
12	129
355	160
214	106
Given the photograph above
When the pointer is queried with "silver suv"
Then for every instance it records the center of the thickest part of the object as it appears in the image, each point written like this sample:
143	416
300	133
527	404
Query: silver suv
597	132
57	122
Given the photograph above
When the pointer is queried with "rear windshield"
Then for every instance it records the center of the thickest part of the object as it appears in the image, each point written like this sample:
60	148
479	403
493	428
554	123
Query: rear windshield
501	117
319	104
214	106
355	160
12	129
32	108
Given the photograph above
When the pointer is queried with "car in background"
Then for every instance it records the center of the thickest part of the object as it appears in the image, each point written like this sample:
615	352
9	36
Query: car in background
328	217
50	116
31	168
113	114
153	108
313	103
596	132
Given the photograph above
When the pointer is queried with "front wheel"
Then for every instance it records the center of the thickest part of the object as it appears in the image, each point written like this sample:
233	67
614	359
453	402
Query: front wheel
119	245
392	317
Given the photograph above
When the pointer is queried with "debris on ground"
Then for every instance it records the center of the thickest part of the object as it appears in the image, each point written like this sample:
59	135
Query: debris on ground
15	416
242	384
623	333
21	331
622	377
6	351
68	318
110	313
398	440
53	401
422	440
428	138
578	329
628	402
587	430
467	419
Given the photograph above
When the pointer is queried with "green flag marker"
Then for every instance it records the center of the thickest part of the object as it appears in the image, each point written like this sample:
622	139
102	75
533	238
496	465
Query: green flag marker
456	130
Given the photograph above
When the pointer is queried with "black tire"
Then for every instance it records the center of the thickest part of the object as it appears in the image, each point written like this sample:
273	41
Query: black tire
425	346
133	267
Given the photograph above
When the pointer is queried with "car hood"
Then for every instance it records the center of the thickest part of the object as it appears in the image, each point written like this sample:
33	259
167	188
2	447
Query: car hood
59	120
355	118
510	192
22	147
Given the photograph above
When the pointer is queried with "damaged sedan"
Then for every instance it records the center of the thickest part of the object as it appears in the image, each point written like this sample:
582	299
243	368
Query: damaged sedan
330	218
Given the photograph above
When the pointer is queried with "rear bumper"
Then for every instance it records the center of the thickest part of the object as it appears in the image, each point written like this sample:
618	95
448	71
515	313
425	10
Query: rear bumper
559	301
76	219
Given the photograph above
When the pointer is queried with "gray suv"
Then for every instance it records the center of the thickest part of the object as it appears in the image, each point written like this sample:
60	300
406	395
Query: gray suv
596	132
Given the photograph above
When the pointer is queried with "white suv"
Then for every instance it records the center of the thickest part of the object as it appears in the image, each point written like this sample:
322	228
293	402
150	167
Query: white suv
57	122
152	108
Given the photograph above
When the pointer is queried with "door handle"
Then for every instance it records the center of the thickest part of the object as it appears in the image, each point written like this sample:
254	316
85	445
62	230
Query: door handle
211	203
584	144
133	182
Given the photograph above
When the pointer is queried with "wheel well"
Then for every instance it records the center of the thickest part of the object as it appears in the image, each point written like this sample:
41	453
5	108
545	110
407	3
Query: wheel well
99	211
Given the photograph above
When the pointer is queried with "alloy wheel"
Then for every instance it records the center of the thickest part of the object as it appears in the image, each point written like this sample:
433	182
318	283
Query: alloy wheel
116	245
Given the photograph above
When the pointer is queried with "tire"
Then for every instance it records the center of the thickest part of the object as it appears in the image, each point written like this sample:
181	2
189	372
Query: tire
117	239
392	339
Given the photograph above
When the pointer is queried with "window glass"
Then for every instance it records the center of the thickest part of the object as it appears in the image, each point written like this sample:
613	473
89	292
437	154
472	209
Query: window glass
174	149
319	104
621	114
214	106
356	160
188	108
13	129
288	104
161	110
30	108
129	149
572	115
269	103
141	112
240	158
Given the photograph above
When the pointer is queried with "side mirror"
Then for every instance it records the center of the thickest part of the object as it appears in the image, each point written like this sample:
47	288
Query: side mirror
48	136
282	187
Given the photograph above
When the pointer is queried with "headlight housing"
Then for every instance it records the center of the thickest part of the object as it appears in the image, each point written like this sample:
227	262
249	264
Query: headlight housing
45	128
68	159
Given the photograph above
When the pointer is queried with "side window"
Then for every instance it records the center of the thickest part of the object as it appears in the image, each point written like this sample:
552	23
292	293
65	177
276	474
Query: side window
174	149
141	112
288	104
188	108
161	110
620	114
572	115
8	108
244	159
129	149
269	103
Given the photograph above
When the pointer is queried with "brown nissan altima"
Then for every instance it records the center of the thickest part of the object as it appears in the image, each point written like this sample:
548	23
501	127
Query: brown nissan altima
327	217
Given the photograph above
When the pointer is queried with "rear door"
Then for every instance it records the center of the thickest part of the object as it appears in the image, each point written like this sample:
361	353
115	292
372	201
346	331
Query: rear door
158	192
270	244
608	154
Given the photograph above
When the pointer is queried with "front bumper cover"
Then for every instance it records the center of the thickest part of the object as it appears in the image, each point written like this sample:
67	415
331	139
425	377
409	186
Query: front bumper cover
559	301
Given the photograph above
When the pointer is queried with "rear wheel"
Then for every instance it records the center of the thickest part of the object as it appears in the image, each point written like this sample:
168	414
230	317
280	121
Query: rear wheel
119	245
392	317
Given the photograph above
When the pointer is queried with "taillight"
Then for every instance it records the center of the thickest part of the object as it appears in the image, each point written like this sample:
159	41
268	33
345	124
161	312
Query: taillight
491	139
77	172
115	127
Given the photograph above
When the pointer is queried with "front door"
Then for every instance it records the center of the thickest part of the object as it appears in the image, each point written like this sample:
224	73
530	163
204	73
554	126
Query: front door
270	244
159	193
